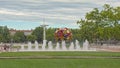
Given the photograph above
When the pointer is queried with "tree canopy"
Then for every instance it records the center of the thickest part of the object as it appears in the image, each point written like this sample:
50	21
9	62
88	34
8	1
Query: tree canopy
38	32
4	34
101	24
19	37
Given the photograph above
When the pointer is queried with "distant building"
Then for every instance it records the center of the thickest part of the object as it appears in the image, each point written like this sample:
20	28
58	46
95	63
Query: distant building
26	32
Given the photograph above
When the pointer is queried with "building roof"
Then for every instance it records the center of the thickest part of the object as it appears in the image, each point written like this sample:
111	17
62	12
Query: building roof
14	30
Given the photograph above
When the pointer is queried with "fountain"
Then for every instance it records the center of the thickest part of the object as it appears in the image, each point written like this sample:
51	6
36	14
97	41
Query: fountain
64	45
22	47
77	45
50	46
57	47
44	44
29	46
36	45
86	45
61	35
71	47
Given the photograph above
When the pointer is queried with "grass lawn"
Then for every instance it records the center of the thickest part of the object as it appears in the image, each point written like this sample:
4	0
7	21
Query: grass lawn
18	54
60	63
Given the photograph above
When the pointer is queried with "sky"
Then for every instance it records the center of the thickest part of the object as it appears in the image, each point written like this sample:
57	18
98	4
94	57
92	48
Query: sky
29	14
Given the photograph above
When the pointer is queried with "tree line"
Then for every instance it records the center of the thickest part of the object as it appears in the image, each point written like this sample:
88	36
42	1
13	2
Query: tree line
36	35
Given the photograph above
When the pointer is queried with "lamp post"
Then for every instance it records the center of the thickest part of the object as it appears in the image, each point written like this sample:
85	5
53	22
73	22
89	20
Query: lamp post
44	34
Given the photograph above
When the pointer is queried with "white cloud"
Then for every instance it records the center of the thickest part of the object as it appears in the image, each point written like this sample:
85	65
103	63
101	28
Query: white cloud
64	11
79	1
116	4
72	9
36	14
11	12
113	3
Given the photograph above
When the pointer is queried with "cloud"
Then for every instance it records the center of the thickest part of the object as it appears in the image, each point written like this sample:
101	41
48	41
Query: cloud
15	13
4	11
77	1
54	11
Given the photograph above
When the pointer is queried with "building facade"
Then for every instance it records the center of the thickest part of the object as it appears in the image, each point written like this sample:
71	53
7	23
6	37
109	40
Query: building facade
26	32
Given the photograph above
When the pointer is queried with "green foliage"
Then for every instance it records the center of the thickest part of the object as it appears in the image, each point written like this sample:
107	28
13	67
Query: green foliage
50	34
19	37
4	34
1	38
38	32
76	34
31	38
101	24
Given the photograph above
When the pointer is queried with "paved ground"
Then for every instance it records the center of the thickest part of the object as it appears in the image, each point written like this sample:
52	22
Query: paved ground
108	48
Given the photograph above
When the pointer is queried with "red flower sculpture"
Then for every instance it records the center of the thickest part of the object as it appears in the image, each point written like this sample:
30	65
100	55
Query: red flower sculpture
63	34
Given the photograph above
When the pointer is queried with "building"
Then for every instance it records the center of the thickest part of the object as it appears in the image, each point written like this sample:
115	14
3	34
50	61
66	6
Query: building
26	32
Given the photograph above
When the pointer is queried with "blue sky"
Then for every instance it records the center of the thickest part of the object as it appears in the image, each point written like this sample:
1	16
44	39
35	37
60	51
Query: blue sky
28	14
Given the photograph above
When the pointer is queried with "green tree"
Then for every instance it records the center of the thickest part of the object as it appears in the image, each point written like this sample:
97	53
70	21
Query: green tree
31	38
76	34
5	35
38	32
1	38
19	37
50	34
101	24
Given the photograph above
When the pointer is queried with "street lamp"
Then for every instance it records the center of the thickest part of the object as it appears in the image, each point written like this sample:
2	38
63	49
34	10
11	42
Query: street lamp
44	33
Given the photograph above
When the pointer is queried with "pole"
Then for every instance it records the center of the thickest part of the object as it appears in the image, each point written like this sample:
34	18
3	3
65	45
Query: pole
44	34
44	27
